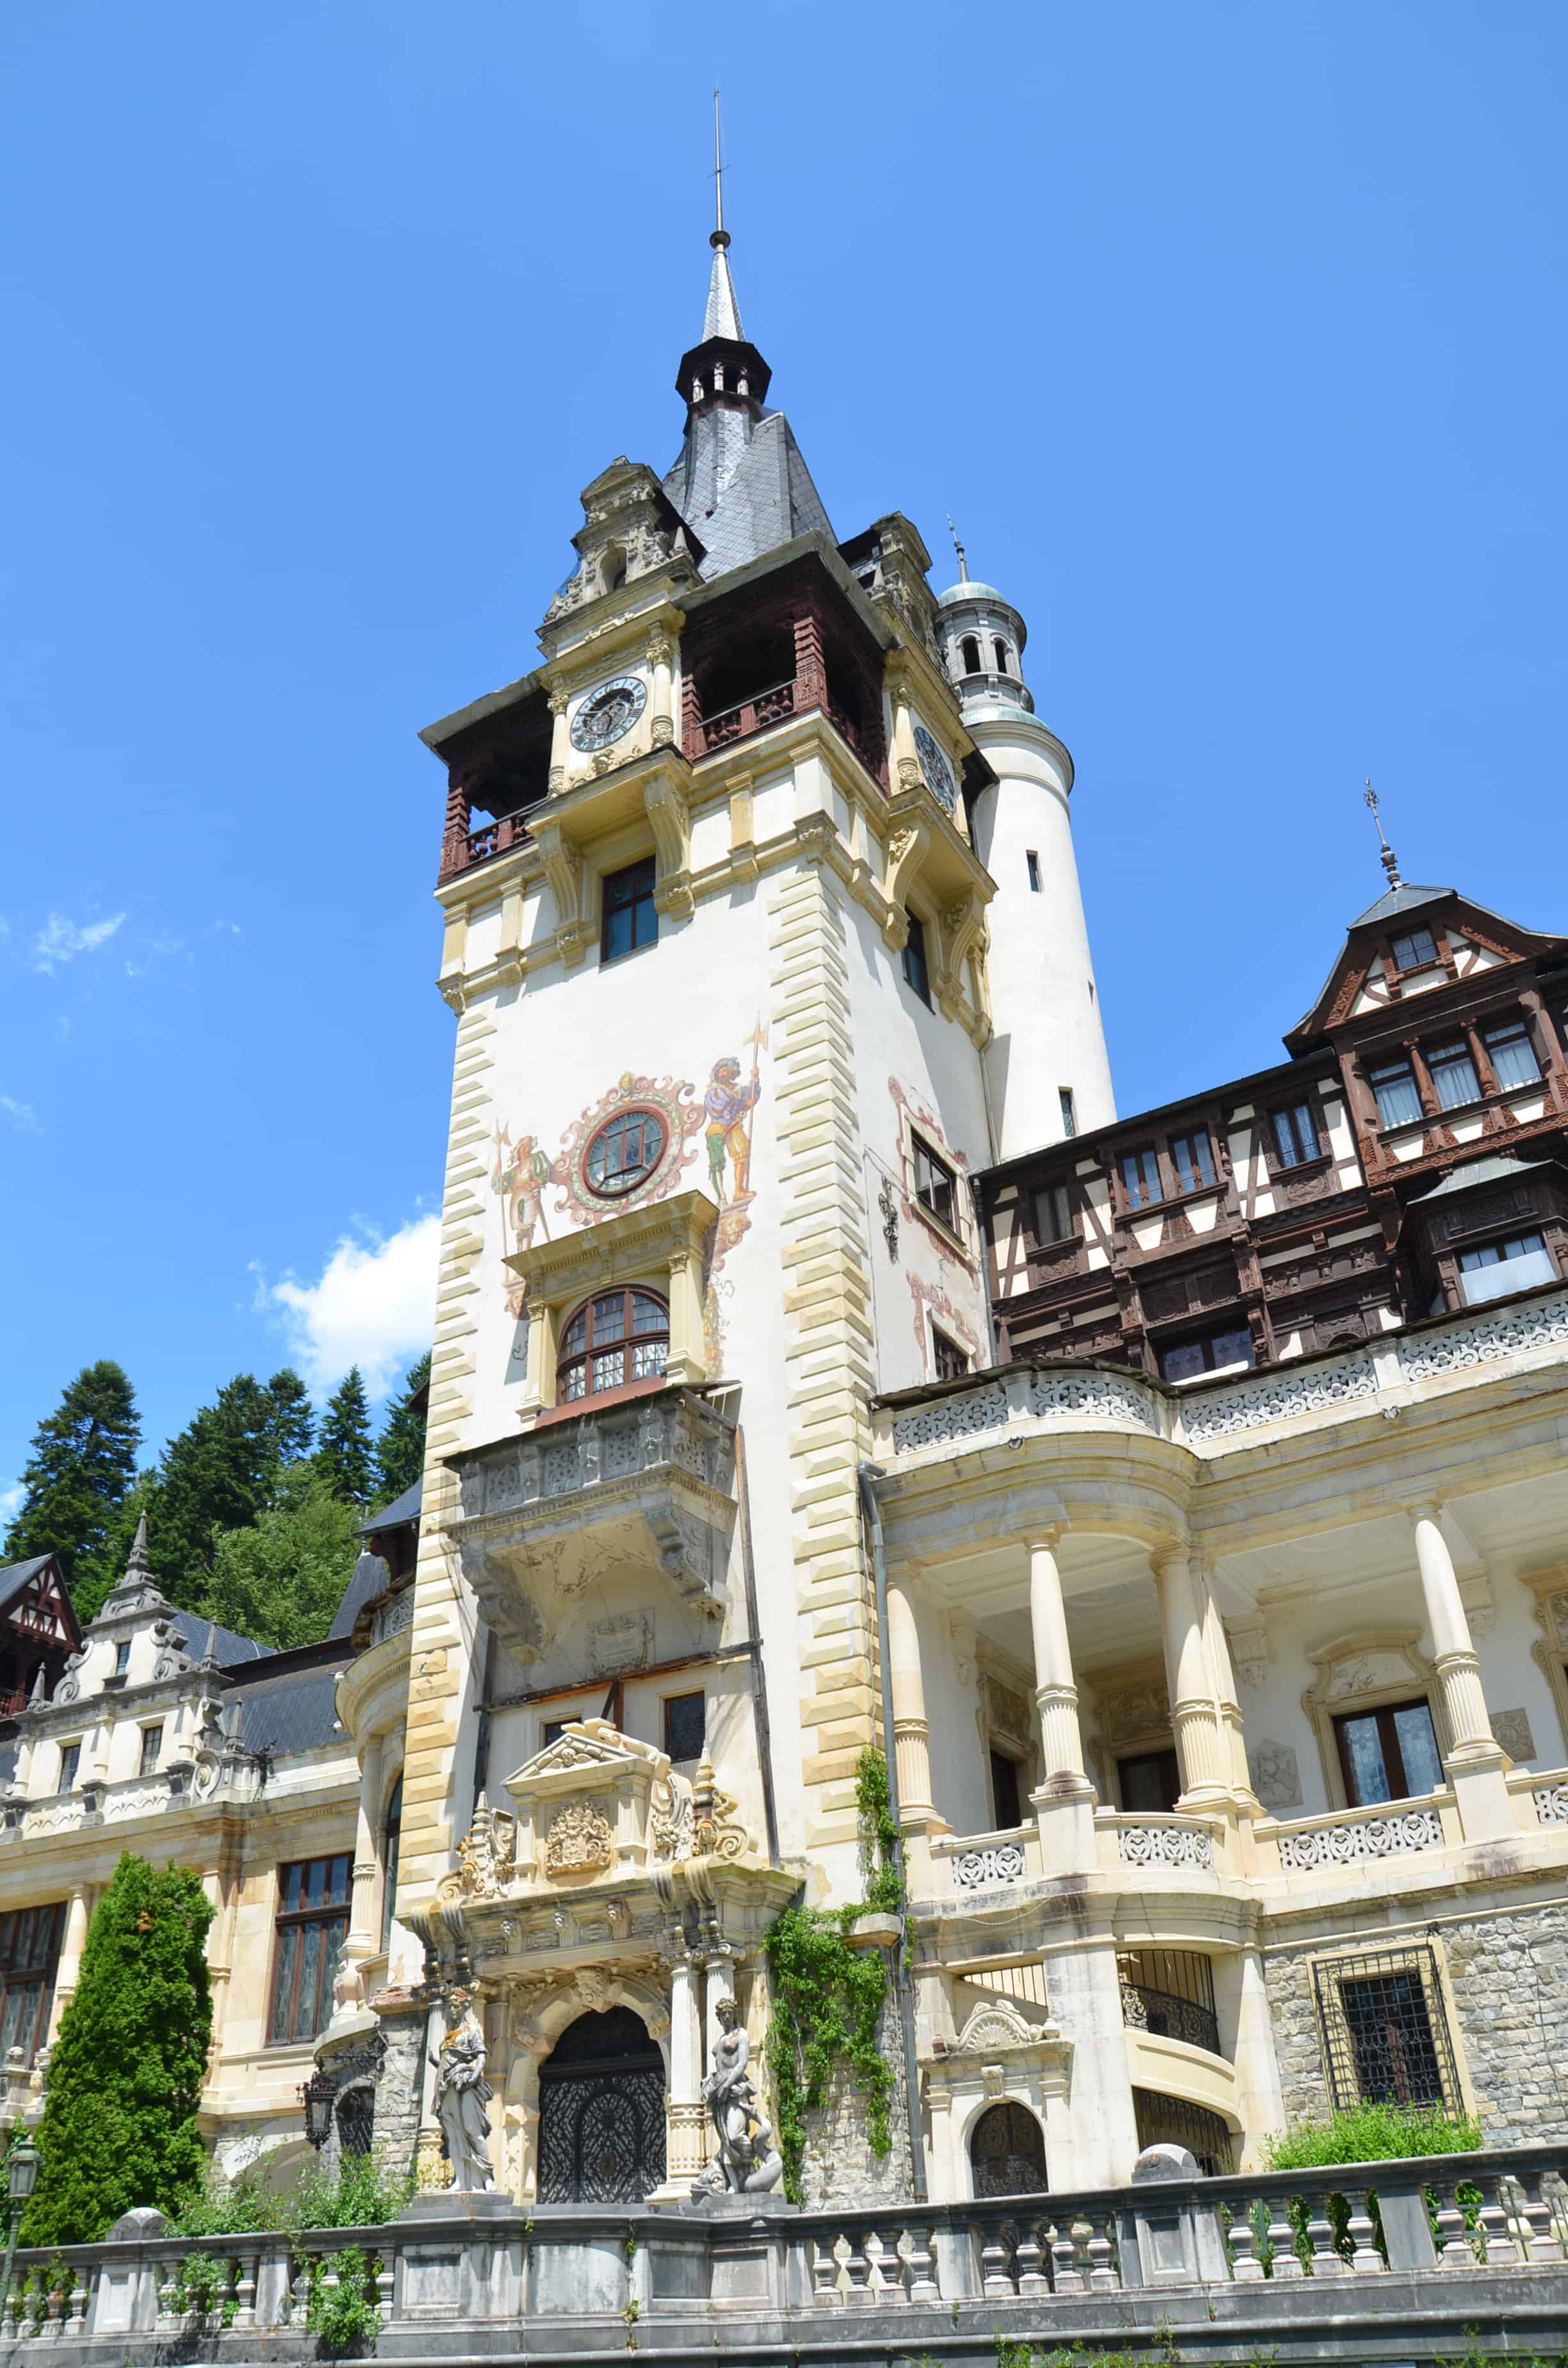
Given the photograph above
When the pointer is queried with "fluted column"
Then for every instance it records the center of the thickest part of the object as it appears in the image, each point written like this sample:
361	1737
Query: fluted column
1474	1759
71	1947
1222	1673
1202	1746
686	2115
661	651
559	743
911	1732
1055	1691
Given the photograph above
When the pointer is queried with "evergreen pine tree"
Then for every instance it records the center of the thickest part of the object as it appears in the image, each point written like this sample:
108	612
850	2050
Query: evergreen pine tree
281	1580
218	1474
293	1421
399	1450
343	1451
98	1572
83	1462
119	2119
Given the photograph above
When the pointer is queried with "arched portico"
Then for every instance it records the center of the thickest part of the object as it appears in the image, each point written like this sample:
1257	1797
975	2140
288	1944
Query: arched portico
538	2031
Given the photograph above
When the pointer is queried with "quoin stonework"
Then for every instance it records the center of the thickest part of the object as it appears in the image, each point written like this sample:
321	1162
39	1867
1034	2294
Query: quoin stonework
821	1366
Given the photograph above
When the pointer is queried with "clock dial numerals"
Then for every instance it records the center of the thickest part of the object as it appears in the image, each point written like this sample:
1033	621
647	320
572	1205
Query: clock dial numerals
936	769
607	713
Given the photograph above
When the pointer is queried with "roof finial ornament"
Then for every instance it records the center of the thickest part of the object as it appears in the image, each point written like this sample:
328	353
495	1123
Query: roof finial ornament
1389	859
136	1561
718	237
963	564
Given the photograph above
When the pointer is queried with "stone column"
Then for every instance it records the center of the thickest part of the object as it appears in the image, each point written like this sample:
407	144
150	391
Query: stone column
685	1360
560	743
906	757
1224	1674
77	1916
1065	1800
1202	1748
663	728
911	1732
360	1940
1474	1758
687	2148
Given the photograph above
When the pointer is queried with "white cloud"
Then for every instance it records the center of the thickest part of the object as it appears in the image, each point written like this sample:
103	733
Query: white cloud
11	1501
61	940
21	1115
374	1307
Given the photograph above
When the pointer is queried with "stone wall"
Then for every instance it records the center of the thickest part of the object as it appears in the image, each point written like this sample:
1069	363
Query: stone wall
1507	1977
401	2086
839	2166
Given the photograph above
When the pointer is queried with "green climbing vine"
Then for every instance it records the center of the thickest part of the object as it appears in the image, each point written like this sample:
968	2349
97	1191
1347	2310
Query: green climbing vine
828	1998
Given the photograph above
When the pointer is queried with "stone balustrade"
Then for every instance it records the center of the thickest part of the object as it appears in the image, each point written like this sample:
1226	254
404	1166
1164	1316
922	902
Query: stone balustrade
1408	2251
1352	1837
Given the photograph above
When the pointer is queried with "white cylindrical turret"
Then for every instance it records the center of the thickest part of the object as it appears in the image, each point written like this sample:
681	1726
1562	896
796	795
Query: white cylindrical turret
1047	1065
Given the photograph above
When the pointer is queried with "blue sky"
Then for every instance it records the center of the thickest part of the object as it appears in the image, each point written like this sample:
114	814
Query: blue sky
1231	332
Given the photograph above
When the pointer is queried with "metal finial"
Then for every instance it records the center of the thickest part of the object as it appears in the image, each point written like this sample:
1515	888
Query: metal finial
720	236
963	564
1388	859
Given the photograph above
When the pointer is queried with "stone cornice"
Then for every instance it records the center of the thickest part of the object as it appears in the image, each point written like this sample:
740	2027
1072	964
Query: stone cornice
631	1242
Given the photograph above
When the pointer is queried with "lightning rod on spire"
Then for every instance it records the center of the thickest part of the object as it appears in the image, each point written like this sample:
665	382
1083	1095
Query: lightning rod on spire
719	235
963	564
1388	858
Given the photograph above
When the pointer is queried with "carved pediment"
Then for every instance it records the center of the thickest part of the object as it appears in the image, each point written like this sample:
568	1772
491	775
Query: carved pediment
587	1743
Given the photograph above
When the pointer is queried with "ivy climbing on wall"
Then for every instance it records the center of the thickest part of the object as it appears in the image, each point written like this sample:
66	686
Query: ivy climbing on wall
828	1996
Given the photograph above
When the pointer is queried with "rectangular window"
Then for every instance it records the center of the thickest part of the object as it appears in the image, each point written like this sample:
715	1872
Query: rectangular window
122	1657
1053	1213
1414	950
1453	1074
1389	1754
1295	1135
1151	1783
915	969
1193	1160
935	1186
1399	1104
152	1748
1007	1807
1385	2029
1513	1055
1492	1269
1032	860
949	1359
1216	1352
552	1730
312	1917
30	1958
630	918
70	1760
686	1727
1140	1177
1069	1108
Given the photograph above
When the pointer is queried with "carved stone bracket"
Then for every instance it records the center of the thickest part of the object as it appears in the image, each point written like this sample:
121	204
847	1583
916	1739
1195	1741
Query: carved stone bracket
666	811
563	871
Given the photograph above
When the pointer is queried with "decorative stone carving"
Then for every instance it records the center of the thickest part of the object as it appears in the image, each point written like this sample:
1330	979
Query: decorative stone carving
1096	1394
1459	1347
1131	1711
1249	1406
1512	1730
995	2024
954	1417
1006	1863
1414	1829
1551	1804
70	1685
172	1659
1166	1846
620	1644
1276	1776
462	2094
579	1841
1007	1712
747	2161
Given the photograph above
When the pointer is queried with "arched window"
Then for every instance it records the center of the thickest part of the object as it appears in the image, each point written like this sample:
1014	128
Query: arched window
969	648
1007	2152
392	1837
620	1336
614	568
1001	649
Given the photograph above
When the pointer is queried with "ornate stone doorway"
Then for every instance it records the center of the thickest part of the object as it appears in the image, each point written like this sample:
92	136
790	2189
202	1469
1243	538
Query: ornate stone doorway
601	2113
1007	2150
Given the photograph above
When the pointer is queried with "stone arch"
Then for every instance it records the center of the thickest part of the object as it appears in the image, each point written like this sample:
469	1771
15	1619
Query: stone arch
1005	2145
603	2105
535	2024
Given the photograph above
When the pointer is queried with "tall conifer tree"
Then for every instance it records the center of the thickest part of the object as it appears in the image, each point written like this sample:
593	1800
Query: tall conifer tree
344	1455
293	1420
83	1462
217	1474
119	2119
399	1450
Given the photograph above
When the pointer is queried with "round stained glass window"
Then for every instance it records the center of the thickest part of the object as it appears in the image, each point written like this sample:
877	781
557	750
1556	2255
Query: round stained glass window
624	1153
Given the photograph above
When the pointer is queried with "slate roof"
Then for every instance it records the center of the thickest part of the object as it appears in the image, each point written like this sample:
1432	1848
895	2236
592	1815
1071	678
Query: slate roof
1496	1168
723	318
231	1649
1403	899
402	1509
296	1711
15	1575
744	494
370	1576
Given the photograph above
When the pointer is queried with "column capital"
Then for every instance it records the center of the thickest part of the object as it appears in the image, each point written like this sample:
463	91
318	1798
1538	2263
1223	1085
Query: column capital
1424	1508
1045	1537
1168	1552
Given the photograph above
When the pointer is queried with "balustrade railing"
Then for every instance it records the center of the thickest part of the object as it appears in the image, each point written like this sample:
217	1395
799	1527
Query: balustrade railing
753	714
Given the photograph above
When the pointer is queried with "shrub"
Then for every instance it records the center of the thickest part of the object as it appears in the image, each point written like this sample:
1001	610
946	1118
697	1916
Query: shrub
1370	2132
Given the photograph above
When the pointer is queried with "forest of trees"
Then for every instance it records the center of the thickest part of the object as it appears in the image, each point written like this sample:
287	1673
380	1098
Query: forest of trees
252	1510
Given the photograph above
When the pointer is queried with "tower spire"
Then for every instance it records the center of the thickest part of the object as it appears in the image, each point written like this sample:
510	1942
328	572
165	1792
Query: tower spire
723	318
1388	859
963	564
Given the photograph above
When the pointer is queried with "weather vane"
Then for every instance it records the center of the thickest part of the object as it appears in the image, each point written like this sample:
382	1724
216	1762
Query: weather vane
1388	857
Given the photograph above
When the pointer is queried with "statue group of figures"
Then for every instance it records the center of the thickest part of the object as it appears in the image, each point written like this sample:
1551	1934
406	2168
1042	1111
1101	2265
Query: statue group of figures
747	2161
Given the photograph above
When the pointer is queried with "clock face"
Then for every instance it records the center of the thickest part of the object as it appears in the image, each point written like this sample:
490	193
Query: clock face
609	712
938	773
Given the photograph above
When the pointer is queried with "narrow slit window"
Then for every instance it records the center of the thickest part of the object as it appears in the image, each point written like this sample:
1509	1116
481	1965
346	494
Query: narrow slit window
915	971
1032	860
1068	1107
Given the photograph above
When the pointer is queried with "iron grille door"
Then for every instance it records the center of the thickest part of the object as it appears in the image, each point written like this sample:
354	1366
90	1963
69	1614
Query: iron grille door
602	2136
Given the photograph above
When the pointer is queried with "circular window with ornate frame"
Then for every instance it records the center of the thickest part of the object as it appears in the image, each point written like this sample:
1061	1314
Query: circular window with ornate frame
623	1153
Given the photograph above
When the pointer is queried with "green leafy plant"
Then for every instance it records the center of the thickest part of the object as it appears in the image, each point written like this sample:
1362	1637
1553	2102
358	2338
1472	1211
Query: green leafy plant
828	1998
202	2278
340	2305
1370	2132
120	2120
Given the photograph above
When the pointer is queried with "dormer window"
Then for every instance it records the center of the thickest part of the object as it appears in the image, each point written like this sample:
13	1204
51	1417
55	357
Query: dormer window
1393	1083
1295	1135
1140	1179
1453	1075
1193	1159
1414	950
1513	1055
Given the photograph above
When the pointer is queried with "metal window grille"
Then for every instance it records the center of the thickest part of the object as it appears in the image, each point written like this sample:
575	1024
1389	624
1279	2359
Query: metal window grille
1170	1992
1385	2029
1173	2121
